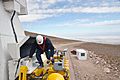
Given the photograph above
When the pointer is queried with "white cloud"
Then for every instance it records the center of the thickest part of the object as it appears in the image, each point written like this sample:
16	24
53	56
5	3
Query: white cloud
105	23
80	10
39	9
81	20
41	14
33	17
101	9
51	1
79	23
70	1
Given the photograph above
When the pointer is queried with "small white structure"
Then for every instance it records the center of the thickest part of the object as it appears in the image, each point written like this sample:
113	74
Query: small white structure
81	54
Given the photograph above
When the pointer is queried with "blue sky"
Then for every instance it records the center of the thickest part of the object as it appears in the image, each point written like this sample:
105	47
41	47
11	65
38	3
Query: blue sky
73	18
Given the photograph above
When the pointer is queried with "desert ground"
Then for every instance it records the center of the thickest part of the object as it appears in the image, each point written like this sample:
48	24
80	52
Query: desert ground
103	62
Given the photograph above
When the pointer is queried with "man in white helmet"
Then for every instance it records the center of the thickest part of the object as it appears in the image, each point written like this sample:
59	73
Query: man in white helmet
41	45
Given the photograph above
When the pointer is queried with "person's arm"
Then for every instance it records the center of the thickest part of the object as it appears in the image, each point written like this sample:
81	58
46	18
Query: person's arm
50	47
33	48
52	52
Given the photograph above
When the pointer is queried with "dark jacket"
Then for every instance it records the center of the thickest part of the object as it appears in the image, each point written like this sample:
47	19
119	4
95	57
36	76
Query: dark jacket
48	46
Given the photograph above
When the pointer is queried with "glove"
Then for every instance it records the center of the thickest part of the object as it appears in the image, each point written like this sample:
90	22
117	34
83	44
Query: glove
52	60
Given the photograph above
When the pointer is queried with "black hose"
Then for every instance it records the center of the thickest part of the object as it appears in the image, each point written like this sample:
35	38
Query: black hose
17	66
11	20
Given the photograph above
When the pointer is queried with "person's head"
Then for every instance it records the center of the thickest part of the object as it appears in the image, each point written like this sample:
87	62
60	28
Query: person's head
39	39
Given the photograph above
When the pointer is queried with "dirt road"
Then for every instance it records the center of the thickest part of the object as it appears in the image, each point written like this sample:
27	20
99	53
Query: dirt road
85	70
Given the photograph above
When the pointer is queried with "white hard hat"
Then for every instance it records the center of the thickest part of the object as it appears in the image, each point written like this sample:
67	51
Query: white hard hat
39	39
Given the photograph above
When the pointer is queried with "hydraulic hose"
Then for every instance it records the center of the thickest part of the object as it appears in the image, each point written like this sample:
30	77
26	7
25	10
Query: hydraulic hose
11	20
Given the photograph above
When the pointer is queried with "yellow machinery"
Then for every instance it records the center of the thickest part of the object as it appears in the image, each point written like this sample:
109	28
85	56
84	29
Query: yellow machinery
55	76
59	70
23	73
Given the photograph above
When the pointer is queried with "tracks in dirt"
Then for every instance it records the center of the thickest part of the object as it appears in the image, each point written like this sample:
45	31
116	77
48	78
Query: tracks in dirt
72	73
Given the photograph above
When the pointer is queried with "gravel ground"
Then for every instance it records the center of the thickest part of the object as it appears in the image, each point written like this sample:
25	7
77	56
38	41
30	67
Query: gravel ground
96	67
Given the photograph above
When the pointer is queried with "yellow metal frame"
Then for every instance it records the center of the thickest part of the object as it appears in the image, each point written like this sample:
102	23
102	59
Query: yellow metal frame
23	73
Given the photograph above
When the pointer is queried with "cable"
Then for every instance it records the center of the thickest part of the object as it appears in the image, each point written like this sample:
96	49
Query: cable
17	66
11	20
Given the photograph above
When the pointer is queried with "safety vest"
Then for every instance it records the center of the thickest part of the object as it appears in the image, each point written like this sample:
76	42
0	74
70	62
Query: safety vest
43	45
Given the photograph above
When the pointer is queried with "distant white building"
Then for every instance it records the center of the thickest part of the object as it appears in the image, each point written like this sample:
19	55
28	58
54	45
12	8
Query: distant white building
81	54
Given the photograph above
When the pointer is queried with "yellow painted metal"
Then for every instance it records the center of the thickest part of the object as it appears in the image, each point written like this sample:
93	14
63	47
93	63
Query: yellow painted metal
55	76
23	73
38	71
66	64
50	70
